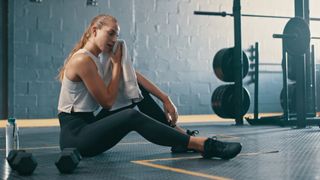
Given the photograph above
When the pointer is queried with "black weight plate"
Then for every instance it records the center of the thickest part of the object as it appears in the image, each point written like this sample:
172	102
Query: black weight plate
300	44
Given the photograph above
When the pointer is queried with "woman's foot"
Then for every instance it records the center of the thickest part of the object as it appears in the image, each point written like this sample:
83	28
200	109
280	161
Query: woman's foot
223	150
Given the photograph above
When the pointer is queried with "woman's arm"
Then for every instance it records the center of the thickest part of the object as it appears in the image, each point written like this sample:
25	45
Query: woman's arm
151	87
105	95
82	68
169	108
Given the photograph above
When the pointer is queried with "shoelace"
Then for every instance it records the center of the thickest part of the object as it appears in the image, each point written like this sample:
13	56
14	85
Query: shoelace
218	144
192	133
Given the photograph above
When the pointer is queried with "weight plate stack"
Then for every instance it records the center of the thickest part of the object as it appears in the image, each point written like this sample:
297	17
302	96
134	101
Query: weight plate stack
223	101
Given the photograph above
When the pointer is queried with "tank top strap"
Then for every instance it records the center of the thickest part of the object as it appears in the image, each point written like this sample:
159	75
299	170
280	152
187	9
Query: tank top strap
94	58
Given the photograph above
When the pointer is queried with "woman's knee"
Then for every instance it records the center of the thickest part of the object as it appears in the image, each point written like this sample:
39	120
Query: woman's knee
135	116
132	113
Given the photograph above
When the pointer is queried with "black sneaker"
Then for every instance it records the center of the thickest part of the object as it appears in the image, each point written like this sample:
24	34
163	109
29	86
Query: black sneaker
223	150
182	149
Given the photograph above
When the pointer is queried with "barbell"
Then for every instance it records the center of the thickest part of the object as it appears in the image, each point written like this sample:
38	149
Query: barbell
296	35
224	14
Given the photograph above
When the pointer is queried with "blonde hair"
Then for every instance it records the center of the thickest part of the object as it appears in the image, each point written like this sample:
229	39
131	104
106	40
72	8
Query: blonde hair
98	21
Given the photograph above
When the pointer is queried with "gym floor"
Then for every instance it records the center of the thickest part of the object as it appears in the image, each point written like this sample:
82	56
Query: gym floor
269	152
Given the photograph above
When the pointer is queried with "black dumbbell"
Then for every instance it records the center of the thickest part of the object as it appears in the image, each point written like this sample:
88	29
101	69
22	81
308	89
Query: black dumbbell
68	160
75	151
23	162
12	154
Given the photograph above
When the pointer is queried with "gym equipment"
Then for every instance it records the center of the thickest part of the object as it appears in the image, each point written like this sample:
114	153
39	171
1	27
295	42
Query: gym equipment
21	161
12	154
92	3
292	118
292	67
236	67
75	151
68	160
223	101
291	97
255	57
296	36
223	64
24	163
224	14
296	42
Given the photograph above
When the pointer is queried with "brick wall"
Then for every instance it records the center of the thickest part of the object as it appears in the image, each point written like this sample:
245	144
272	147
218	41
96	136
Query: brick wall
170	45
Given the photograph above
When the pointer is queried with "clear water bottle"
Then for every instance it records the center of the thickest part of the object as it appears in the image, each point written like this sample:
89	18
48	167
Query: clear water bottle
12	135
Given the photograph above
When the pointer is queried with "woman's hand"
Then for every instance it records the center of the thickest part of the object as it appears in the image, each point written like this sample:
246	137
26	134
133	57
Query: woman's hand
170	111
117	56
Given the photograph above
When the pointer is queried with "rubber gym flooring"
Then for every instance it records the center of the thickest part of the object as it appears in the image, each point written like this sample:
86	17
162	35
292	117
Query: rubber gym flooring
269	152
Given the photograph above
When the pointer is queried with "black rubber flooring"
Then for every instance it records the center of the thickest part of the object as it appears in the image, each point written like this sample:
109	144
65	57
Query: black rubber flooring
269	152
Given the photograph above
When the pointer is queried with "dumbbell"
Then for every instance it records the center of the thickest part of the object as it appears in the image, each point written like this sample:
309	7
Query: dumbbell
75	151
68	160
21	161
12	154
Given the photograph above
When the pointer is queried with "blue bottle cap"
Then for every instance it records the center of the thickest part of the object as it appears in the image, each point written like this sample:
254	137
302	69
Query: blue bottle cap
11	120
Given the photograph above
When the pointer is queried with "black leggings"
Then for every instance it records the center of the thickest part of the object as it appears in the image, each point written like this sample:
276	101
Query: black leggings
94	135
148	106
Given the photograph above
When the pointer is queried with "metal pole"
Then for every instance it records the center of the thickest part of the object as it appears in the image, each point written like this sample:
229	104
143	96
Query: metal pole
301	91
310	104
301	75
313	74
256	81
285	84
298	8
238	64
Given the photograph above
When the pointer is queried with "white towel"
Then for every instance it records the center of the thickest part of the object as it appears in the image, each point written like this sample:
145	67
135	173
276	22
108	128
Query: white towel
128	88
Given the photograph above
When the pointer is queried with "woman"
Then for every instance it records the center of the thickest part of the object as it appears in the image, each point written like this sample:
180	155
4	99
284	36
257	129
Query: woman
83	90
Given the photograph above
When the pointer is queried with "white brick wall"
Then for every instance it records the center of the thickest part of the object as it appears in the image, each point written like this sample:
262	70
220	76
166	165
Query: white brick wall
170	45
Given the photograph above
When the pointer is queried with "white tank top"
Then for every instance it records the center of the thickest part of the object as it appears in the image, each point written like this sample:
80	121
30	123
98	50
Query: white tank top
74	96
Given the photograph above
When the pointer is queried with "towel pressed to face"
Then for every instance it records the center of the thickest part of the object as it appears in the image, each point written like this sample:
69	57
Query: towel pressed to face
128	89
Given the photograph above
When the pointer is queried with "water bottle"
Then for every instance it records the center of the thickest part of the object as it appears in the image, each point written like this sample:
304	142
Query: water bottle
12	135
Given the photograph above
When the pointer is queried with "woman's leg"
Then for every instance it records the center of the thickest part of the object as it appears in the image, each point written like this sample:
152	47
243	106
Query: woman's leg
104	112
96	137
103	134
148	106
